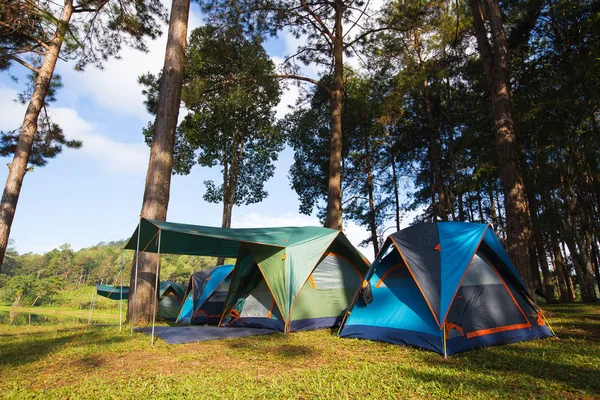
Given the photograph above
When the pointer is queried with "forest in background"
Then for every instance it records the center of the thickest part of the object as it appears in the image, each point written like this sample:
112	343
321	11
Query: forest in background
41	280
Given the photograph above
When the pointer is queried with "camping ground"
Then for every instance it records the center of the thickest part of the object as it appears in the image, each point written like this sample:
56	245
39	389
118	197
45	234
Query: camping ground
76	360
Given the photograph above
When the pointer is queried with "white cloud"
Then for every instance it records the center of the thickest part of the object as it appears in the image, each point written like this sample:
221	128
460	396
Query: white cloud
11	111
289	96
115	86
114	156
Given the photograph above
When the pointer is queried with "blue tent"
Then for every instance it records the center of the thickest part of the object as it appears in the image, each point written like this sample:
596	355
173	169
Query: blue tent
205	296
446	287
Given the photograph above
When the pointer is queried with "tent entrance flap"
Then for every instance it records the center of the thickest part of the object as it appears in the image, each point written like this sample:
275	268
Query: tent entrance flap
328	291
483	304
251	303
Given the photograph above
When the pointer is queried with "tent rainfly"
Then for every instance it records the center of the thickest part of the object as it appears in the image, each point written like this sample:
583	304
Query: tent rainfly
205	296
446	287
288	278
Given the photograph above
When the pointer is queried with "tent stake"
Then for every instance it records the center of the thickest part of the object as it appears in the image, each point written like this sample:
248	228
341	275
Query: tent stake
156	286
121	300
137	259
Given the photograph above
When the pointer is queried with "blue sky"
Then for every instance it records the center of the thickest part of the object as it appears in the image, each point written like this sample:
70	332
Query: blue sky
94	194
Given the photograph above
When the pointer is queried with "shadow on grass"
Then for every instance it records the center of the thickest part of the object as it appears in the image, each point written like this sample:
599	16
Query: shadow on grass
579	330
555	361
492	388
33	347
277	345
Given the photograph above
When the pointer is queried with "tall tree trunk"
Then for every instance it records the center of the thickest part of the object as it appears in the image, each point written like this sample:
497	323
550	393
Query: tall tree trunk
580	253
230	185
470	208
492	205
439	206
559	269
333	217
546	276
158	177
540	250
578	239
501	224
480	205
370	189
18	167
570	285
533	264
596	262
456	176
396	194
495	64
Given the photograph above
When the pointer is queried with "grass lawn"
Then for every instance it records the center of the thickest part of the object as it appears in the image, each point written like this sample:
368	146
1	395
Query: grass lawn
78	361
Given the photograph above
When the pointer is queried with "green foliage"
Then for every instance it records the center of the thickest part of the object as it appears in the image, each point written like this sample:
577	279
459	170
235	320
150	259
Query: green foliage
363	153
29	290
49	139
64	277
229	90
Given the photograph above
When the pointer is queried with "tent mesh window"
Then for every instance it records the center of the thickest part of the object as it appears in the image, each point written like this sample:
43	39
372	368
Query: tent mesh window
259	301
220	293
334	272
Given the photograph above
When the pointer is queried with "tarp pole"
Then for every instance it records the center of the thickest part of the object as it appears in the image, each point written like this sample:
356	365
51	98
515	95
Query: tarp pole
121	301
137	259
156	286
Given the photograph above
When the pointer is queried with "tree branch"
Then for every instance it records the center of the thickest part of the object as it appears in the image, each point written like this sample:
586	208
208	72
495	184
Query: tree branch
24	63
303	78
324	28
371	31
362	13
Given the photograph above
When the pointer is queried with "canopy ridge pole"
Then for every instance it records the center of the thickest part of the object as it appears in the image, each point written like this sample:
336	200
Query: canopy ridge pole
137	259
156	285
121	300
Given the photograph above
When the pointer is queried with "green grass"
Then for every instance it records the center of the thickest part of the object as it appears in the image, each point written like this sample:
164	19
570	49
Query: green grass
80	361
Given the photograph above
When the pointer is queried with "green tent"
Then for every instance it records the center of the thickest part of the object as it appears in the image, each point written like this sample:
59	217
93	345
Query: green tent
171	298
288	279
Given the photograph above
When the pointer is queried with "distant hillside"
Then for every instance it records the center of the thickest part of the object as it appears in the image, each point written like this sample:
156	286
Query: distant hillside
30	278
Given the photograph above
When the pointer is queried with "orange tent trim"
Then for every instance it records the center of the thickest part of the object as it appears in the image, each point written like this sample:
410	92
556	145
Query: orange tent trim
497	329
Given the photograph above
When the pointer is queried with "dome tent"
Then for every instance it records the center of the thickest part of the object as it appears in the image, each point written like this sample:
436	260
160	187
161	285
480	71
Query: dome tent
446	287
205	296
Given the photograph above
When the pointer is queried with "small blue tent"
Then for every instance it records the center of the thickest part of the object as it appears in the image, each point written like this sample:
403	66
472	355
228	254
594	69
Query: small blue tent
205	296
446	287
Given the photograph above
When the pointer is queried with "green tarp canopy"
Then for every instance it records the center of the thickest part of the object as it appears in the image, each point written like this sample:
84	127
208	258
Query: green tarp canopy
286	256
114	292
